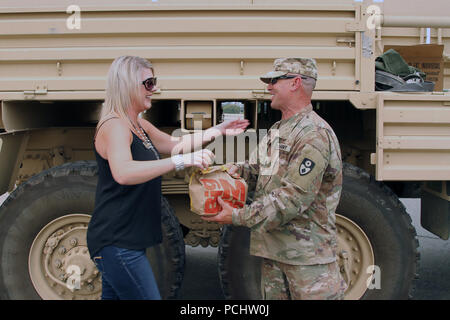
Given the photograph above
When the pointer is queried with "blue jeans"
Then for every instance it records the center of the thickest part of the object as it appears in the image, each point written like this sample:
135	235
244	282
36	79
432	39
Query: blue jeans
126	275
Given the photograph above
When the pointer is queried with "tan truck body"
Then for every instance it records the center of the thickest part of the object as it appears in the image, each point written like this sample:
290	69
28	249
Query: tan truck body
53	69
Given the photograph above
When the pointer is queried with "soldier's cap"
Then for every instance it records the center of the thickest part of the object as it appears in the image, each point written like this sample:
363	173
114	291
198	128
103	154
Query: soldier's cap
283	66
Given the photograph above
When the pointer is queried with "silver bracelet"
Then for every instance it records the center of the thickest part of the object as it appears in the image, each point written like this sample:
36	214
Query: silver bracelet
178	161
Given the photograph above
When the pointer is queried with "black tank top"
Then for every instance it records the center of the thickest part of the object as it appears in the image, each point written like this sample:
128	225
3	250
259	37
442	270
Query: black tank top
126	216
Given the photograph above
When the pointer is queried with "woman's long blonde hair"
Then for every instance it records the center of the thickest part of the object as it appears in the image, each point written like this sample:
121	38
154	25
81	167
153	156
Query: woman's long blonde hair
123	84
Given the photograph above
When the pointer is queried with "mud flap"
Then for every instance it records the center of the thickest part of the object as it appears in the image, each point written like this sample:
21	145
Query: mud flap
435	208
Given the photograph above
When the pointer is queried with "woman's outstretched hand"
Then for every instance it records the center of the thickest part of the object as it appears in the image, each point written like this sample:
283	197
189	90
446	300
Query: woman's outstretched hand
232	127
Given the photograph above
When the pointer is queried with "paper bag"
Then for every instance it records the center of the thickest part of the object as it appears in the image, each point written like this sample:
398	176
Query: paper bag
205	186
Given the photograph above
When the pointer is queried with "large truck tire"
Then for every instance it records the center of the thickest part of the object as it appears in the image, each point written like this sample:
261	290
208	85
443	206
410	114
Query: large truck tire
43	250
377	245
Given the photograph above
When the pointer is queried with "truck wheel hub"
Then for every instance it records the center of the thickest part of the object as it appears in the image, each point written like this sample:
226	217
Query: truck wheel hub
355	256
59	263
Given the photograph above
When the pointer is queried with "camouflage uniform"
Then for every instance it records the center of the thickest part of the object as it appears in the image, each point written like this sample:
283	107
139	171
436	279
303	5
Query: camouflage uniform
280	281
292	217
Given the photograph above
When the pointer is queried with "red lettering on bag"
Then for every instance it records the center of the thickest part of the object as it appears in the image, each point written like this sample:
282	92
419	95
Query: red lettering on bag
232	194
211	204
237	193
210	184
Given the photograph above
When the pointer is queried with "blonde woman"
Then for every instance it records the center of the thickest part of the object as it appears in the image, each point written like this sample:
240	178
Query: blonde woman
127	214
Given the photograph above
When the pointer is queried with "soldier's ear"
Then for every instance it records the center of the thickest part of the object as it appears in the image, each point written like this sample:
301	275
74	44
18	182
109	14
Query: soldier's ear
296	83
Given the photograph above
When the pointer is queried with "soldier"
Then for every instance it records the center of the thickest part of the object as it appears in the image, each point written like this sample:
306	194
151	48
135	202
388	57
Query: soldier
299	183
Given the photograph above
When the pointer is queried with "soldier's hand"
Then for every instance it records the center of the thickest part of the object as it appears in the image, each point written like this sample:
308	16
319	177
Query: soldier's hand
232	169
223	217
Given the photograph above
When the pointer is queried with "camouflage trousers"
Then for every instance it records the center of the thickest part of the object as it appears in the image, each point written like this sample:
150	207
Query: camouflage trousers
281	281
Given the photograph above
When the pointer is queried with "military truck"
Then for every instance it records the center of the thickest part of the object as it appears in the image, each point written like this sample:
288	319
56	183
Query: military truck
208	56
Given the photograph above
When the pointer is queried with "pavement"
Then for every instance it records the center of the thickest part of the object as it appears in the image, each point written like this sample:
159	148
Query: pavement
201	280
434	267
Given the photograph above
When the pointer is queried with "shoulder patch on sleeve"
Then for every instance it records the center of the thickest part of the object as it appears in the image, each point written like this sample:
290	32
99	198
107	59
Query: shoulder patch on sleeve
307	168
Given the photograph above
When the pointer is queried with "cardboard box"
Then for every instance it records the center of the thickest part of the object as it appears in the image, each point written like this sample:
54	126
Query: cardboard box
426	57
198	112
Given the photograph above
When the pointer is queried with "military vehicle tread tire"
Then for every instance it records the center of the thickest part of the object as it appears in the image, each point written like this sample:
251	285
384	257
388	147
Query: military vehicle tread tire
370	205
70	190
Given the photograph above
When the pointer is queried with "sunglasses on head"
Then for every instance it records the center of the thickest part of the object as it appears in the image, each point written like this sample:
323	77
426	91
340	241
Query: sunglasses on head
149	83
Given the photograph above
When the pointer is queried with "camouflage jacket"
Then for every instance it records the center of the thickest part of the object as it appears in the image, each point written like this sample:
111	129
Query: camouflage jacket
299	183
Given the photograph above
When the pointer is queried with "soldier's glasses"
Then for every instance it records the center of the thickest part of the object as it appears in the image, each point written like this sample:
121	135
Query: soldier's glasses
149	83
272	81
